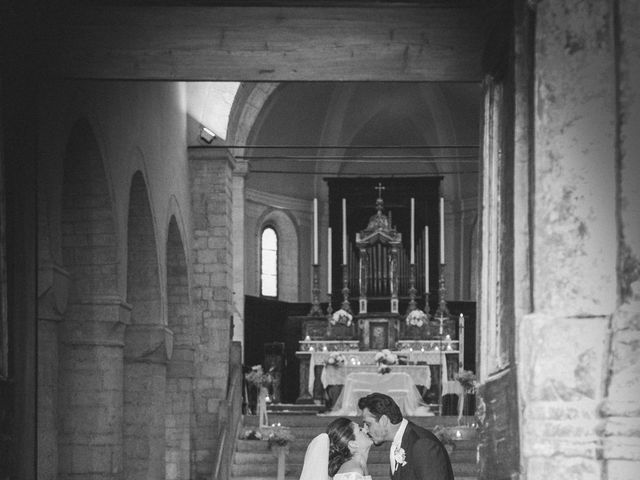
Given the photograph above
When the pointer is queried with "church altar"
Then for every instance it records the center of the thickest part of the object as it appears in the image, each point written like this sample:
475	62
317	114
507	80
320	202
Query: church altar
416	357
414	339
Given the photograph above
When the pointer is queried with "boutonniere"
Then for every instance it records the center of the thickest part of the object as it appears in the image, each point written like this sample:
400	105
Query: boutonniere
399	456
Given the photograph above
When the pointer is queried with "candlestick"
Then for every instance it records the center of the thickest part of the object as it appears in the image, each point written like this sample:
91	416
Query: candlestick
461	341
329	262
315	293
344	231
426	259
413	211
315	231
441	230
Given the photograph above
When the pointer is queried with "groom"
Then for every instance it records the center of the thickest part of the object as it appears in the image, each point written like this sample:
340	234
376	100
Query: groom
416	453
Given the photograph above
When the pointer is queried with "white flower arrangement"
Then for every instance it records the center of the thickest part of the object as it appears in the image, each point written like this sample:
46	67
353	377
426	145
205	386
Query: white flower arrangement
416	318
467	380
385	357
335	359
399	456
341	316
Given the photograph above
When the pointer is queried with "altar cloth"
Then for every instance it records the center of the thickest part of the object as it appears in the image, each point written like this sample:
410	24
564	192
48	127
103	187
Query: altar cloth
398	385
337	375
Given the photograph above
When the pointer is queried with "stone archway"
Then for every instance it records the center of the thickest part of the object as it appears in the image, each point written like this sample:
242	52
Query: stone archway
180	370
90	392
147	345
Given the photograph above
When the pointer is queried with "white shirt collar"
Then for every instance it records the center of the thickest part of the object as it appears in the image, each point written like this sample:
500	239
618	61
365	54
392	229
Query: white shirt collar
397	439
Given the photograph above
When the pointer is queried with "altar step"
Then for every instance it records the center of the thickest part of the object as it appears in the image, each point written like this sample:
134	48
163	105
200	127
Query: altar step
254	461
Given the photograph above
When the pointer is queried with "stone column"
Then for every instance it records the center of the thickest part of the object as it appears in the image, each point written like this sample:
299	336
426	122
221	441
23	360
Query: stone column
621	408
53	288
210	172
239	175
148	347
562	345
91	389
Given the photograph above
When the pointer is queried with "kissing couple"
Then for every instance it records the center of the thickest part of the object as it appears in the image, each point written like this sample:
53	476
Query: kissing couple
341	453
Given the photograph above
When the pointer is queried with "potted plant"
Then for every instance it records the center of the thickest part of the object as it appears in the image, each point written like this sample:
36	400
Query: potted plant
279	438
467	380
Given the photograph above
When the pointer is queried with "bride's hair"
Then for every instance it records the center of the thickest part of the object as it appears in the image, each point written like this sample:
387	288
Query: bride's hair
340	433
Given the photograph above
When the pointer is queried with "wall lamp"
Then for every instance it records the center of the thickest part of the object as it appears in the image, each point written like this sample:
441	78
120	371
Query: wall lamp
207	135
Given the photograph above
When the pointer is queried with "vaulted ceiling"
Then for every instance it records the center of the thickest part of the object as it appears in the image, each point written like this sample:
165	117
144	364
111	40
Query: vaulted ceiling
364	128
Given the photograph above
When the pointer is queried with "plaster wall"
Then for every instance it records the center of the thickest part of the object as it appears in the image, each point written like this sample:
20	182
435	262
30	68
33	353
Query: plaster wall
293	220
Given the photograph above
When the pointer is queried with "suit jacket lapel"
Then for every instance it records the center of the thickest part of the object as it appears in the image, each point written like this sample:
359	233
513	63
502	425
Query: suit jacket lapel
408	439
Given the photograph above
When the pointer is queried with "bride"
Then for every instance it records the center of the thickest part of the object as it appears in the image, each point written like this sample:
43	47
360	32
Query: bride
340	453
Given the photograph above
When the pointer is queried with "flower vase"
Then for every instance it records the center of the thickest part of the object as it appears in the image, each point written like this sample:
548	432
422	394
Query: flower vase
280	451
461	399
413	332
263	421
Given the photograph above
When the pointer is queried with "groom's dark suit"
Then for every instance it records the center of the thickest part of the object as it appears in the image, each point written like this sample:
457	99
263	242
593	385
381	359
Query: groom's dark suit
426	457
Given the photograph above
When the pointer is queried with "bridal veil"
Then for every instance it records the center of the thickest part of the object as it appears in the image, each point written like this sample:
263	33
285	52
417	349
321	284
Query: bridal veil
316	459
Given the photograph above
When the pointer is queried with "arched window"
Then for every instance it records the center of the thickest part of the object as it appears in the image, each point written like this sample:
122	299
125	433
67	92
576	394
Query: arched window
269	267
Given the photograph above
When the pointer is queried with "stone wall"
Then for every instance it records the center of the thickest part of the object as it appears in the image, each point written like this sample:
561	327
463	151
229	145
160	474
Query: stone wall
577	351
212	293
103	372
621	408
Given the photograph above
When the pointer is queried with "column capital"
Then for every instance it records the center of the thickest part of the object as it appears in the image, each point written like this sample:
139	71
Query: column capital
241	168
99	321
148	343
201	153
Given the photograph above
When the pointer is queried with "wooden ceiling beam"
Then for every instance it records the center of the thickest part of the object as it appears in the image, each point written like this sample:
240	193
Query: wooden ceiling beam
234	43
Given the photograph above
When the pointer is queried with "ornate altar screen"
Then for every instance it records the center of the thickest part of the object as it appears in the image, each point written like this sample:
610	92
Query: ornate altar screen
361	195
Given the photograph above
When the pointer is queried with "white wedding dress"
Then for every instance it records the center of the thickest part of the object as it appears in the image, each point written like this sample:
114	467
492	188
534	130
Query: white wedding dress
316	462
351	476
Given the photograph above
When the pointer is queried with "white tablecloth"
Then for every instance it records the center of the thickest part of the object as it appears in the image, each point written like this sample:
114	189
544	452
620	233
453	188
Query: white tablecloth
420	374
367	358
398	385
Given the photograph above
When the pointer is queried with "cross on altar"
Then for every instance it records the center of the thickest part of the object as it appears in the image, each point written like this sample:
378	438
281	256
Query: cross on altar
441	318
379	188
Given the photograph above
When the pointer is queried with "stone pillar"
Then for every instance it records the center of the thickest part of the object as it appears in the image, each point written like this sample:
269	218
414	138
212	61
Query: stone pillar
562	345
621	408
179	412
91	389
239	175
53	288
210	172
148	348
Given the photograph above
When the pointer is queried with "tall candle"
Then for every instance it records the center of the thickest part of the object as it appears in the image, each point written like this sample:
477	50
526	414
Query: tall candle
413	212
315	231
442	230
329	261
344	231
426	259
461	340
